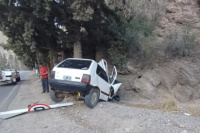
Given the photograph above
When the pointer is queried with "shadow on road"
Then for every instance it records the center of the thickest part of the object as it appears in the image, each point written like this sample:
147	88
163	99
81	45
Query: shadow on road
10	84
7	84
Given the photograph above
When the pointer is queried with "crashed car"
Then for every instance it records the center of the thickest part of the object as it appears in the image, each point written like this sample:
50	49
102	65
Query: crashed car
85	77
9	76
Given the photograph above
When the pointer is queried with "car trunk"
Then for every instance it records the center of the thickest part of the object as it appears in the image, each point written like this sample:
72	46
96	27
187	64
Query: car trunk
69	74
6	76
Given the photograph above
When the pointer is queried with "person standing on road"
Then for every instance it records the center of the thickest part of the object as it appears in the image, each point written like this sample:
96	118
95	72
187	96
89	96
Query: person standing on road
44	78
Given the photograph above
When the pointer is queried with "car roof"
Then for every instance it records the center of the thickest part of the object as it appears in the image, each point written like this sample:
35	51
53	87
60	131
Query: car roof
79	59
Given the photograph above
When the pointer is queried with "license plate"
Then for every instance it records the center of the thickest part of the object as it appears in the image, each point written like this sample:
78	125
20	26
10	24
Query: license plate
67	77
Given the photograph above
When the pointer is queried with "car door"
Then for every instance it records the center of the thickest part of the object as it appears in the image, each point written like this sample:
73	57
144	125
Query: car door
104	65
113	82
103	83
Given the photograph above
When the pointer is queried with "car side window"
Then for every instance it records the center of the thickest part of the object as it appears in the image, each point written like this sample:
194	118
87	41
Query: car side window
102	73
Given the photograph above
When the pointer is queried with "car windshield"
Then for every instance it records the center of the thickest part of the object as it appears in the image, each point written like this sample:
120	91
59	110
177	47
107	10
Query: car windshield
9	70
76	64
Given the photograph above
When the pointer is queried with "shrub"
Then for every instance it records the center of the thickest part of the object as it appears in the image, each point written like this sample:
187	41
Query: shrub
132	39
148	57
180	44
136	30
169	105
115	51
117	44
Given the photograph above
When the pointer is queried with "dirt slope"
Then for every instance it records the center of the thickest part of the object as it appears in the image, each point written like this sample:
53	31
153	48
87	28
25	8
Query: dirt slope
170	85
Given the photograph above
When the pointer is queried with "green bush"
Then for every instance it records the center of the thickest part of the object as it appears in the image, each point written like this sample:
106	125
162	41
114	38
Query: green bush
115	51
132	39
135	31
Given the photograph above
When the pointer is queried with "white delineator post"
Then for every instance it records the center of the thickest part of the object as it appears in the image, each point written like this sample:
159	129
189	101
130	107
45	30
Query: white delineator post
34	107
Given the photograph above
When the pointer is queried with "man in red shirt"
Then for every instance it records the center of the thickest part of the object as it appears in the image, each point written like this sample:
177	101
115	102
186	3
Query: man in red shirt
44	78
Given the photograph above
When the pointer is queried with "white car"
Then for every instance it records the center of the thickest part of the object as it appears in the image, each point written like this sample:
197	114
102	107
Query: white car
85	77
9	76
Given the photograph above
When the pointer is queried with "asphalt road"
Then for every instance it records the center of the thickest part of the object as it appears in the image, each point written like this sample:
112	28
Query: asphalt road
9	91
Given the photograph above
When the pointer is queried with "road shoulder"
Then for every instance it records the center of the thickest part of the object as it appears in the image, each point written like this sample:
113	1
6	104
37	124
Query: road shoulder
106	117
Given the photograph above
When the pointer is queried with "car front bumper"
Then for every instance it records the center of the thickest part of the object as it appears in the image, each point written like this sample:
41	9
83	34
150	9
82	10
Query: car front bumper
69	86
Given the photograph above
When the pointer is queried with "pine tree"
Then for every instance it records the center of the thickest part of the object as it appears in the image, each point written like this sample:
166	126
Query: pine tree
39	29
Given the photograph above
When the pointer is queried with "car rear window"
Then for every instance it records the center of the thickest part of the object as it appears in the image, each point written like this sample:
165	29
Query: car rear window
76	64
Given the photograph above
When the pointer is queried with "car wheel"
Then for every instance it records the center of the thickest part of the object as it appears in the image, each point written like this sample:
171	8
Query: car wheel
117	97
92	98
18	79
56	96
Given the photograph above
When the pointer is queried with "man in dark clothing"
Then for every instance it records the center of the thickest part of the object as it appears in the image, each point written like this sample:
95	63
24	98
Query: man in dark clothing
44	78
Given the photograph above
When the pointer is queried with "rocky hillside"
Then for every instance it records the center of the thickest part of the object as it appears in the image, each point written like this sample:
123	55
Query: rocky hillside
175	80
179	77
179	13
7	58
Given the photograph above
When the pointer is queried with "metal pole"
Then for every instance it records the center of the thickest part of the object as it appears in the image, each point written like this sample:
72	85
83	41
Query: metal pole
36	70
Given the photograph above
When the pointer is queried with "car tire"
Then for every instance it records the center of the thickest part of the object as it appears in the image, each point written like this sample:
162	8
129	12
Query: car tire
54	96
92	98
18	79
14	83
117	97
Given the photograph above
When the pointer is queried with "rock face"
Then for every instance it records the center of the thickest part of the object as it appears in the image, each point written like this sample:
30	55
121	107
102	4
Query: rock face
7	58
180	78
179	13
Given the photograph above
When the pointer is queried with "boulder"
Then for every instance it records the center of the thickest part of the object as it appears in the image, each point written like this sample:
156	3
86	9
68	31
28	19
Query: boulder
187	77
145	88
183	93
152	77
168	77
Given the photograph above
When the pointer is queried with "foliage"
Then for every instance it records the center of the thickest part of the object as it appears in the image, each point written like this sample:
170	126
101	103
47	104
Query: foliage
129	39
115	51
39	30
136	30
180	43
36	28
29	26
82	10
117	48
149	56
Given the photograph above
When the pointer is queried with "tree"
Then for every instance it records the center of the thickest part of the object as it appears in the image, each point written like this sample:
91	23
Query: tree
86	23
39	29
29	25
